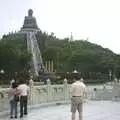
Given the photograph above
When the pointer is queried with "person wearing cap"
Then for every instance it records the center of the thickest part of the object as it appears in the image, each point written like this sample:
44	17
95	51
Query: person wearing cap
79	94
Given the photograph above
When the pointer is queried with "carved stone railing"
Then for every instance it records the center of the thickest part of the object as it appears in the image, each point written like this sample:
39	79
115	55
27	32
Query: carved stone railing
4	102
39	94
53	93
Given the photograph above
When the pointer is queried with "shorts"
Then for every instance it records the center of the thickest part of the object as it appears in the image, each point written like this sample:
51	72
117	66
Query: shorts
76	104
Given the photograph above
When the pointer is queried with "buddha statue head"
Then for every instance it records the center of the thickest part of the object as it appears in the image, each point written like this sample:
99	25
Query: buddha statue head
30	12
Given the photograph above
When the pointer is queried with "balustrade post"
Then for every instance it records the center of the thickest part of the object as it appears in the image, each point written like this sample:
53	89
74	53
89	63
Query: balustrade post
65	90
48	90
31	84
1	102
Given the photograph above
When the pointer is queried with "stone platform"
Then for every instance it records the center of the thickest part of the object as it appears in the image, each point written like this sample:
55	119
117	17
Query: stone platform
93	110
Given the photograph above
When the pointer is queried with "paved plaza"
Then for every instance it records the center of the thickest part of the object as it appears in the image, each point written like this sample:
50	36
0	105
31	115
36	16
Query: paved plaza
93	110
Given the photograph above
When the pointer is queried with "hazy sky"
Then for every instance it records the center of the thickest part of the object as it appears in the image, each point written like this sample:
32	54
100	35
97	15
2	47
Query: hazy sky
98	20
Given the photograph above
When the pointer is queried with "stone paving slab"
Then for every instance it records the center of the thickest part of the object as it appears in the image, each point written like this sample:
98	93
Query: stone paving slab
37	106
93	110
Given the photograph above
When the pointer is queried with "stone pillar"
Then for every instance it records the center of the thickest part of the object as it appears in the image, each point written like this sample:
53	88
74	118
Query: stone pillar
1	102
31	84
46	65
49	90
52	67
49	66
65	90
116	91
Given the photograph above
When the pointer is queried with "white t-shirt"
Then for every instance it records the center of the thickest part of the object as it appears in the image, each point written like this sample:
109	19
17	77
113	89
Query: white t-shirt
11	93
78	89
23	89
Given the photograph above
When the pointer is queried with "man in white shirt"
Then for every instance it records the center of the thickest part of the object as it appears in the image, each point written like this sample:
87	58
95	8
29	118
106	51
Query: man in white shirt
23	89
78	93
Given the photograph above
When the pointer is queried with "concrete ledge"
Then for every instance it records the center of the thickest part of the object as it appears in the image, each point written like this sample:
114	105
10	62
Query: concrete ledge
49	104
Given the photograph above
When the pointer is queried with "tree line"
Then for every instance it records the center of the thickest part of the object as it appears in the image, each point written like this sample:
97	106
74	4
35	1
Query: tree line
66	55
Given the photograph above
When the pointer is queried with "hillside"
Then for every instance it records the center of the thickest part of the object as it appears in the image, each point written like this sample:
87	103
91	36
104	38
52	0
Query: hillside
66	55
79	54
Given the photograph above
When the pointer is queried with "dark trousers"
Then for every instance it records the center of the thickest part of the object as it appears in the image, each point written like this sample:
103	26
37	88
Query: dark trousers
23	105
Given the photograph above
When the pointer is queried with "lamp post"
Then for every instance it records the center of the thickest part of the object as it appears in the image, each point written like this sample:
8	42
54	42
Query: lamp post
2	72
110	75
74	75
75	71
16	76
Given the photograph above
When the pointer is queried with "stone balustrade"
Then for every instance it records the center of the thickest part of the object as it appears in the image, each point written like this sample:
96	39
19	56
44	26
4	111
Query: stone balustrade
55	93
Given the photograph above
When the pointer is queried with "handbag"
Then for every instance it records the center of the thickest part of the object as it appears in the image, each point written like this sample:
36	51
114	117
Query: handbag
16	98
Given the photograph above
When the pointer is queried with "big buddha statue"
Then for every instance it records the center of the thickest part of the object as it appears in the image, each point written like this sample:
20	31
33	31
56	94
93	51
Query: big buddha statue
30	22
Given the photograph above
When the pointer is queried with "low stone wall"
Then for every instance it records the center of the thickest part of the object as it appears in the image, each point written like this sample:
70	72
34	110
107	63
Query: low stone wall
4	102
39	94
53	93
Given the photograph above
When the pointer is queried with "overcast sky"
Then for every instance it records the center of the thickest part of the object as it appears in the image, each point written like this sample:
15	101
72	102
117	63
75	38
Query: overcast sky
98	20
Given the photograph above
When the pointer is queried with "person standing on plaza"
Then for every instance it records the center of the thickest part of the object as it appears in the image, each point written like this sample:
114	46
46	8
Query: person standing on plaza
79	94
13	96
24	89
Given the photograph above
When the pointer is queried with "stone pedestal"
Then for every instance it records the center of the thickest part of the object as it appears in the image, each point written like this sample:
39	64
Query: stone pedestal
65	90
